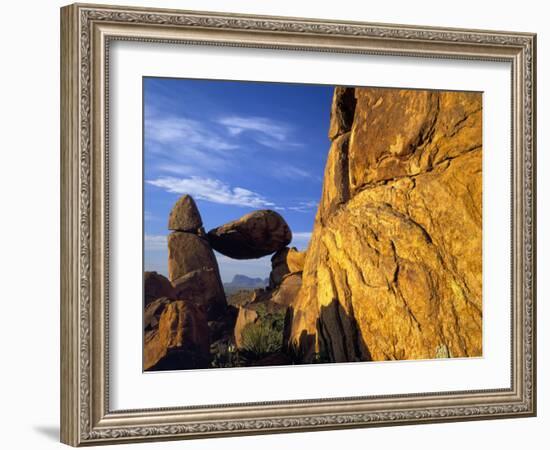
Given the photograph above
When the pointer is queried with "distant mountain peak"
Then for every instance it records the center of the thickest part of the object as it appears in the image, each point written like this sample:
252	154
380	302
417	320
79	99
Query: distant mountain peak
243	282
243	279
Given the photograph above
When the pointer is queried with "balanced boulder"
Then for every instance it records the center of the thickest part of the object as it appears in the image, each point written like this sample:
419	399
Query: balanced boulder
254	235
192	266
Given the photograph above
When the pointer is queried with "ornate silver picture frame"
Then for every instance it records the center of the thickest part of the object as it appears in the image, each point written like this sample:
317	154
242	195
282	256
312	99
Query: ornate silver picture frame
87	33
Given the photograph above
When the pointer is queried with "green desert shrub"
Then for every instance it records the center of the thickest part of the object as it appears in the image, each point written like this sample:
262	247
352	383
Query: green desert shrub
264	336
225	355
260	339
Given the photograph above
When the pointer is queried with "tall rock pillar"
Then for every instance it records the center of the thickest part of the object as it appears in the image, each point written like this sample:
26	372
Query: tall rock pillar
192	266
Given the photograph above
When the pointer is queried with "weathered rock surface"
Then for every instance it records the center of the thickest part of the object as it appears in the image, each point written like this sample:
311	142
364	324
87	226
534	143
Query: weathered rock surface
279	267
155	286
194	272
295	260
399	133
394	267
241	297
188	252
287	292
244	317
185	215
176	336
284	262
152	313
203	287
254	235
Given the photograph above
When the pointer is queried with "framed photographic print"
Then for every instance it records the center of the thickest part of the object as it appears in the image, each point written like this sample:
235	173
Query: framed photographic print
277	224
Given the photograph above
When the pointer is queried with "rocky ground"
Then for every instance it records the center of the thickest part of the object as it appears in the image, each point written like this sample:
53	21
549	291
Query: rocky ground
393	269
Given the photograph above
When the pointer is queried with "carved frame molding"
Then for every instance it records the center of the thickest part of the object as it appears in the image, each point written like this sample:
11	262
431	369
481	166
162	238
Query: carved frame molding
86	33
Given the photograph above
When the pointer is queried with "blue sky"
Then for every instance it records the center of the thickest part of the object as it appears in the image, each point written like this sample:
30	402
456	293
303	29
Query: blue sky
235	147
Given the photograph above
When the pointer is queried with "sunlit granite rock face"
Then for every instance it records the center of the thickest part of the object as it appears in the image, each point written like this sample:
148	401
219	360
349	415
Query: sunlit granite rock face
394	266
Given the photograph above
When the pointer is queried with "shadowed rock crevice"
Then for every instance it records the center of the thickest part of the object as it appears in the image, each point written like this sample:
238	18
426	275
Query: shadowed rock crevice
341	111
336	338
338	335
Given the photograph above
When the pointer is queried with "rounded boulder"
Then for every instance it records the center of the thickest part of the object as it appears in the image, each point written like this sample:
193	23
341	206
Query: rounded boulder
254	235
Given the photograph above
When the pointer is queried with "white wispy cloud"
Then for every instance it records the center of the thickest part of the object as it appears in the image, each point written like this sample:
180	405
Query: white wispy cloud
212	190
183	146
155	242
239	124
290	172
303	206
267	132
184	131
175	168
296	172
210	147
